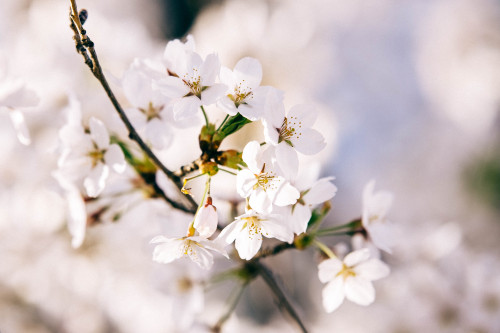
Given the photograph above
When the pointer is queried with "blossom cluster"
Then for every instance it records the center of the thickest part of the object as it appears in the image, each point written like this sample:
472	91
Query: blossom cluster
277	202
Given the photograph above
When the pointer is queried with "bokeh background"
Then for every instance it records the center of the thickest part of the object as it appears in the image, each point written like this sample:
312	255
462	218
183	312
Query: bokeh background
409	95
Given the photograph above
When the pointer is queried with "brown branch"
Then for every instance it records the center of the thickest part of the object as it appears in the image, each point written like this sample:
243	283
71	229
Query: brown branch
281	299
84	44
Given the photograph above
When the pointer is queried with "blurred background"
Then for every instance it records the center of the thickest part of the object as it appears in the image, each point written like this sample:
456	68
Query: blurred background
409	95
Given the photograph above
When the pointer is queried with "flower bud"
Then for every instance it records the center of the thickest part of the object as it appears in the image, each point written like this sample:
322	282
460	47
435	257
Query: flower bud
205	222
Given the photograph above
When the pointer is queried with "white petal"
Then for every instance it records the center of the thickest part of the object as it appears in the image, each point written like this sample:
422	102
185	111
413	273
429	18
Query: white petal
99	133
209	70
186	107
226	76
328	269
321	191
227	105
77	221
251	156
115	159
231	231
333	295
137	87
248	244
213	93
158	133
300	218
22	132
359	290
249	70
201	256
260	201
271	134
288	160
273	229
356	257
171	86
382	235
96	180
287	195
310	142
168	251
245	181
372	269
304	113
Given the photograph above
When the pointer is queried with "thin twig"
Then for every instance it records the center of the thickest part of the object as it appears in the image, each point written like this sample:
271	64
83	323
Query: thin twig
234	298
83	43
282	301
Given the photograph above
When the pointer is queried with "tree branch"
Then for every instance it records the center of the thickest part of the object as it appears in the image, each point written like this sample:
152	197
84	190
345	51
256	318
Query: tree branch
84	44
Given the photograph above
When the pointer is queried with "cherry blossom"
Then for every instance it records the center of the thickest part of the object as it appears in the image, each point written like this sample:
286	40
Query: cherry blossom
247	231
194	247
191	79
261	182
89	155
150	115
292	133
300	213
244	94
350	278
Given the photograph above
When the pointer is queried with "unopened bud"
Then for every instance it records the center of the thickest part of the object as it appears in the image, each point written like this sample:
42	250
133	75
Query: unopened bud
83	15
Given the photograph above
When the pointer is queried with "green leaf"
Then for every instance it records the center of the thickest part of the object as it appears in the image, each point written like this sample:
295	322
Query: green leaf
233	124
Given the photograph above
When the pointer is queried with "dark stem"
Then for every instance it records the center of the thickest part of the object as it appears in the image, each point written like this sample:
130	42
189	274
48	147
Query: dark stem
83	43
281	299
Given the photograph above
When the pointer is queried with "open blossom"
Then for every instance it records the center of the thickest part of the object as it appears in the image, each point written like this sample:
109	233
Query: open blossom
195	247
191	79
206	219
374	219
350	278
261	182
244	94
300	213
150	115
292	133
247	231
89	155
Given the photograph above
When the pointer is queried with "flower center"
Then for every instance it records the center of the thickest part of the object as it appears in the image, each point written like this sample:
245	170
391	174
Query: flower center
265	180
290	129
184	284
253	225
346	272
240	94
194	84
152	112
96	156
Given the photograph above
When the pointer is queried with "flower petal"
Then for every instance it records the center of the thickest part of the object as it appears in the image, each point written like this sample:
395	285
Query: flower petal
300	218
359	290
248	244
115	159
356	257
94	183
328	269
310	142
186	107
248	72
372	269
99	133
321	191
333	295
287	195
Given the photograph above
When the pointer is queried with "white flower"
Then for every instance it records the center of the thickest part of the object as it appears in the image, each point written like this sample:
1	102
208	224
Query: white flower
150	115
89	156
300	213
293	133
374	219
261	182
245	95
206	220
194	247
191	80
13	96
350	278
247	231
